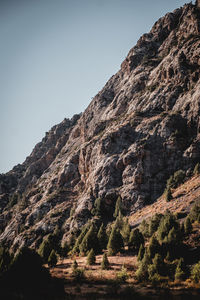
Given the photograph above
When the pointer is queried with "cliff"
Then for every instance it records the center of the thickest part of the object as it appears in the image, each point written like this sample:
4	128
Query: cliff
139	129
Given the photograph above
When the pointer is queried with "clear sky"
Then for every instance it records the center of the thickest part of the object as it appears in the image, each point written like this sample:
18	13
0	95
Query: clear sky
55	55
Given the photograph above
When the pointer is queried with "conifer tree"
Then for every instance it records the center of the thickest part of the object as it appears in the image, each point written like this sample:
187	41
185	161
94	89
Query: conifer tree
141	252
105	263
45	250
91	258
52	260
180	270
196	169
89	241
136	239
80	238
118	207
154	247
195	274
187	226
142	271
74	266
168	194
125	232
102	238
115	242
98	208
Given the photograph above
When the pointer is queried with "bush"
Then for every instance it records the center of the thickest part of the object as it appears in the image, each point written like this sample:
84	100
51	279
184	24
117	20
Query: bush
195	274
105	263
122	276
74	266
180	272
91	258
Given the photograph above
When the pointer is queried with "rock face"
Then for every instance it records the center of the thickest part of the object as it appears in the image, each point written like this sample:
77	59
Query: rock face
139	129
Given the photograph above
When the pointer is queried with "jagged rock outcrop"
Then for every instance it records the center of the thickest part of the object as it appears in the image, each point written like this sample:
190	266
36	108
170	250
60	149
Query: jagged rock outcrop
138	130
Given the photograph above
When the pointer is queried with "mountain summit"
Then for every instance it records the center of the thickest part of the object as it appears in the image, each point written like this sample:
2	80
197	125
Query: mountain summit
143	126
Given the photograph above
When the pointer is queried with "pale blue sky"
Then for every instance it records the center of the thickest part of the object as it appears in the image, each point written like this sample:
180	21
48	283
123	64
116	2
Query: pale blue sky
55	55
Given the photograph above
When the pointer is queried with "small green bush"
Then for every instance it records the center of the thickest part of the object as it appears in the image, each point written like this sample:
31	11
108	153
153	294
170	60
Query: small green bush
105	263
195	274
91	259
122	275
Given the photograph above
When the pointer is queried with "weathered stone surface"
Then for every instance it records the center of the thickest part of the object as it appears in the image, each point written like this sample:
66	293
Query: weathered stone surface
139	129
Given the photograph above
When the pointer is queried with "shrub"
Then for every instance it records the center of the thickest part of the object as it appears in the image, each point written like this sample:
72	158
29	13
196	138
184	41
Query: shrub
74	266
105	263
91	258
180	272
195	274
122	275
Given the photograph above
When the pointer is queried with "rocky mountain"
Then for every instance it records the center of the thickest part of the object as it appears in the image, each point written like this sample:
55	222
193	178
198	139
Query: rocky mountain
138	130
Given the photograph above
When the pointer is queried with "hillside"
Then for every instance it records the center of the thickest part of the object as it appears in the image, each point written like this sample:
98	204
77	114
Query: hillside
138	130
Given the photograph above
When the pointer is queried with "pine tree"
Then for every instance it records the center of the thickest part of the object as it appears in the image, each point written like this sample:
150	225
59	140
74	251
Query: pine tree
105	263
45	250
168	194
180	270
80	239
142	271
196	169
102	238
136	239
125	232
89	241
154	247
98	209
141	252
195	274
91	258
118	207
187	226
115	242
52	260
74	266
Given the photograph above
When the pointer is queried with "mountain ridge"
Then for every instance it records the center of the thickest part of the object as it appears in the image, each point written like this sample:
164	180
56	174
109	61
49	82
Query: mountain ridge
138	130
